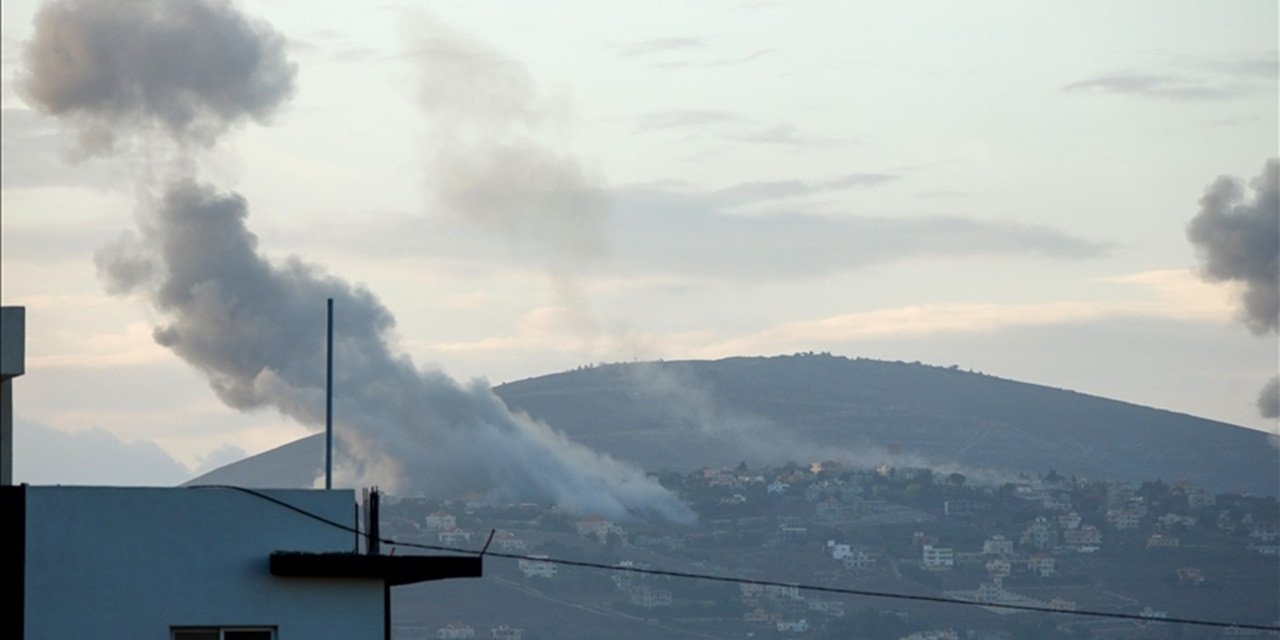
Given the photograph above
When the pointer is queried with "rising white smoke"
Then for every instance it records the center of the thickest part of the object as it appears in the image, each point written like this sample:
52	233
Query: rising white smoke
254	328
494	161
490	158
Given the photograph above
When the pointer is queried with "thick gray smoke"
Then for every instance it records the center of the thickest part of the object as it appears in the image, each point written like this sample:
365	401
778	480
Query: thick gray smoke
255	329
491	161
1269	399
1239	241
189	68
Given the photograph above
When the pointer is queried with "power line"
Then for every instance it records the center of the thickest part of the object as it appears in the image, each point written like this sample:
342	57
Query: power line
750	581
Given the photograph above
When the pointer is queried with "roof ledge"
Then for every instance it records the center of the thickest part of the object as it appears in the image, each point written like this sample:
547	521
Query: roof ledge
393	570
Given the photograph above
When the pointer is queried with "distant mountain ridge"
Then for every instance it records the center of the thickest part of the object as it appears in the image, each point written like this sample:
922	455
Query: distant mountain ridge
682	415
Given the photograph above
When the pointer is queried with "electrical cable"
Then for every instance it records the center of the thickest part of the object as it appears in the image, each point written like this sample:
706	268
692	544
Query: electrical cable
749	581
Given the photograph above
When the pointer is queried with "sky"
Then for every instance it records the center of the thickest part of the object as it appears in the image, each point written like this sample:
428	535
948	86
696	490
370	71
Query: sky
529	187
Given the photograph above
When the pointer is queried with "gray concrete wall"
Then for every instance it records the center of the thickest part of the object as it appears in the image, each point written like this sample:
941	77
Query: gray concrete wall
108	562
13	362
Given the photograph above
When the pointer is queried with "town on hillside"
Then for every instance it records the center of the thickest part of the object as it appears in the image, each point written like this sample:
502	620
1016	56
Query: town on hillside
1150	551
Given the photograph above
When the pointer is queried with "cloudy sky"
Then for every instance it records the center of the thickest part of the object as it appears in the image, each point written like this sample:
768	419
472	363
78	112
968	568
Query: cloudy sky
1005	186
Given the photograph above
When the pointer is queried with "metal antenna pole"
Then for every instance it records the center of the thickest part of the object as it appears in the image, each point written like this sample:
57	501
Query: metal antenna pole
328	403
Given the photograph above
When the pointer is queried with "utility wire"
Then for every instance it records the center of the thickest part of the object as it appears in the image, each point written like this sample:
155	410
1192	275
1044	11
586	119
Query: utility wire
737	580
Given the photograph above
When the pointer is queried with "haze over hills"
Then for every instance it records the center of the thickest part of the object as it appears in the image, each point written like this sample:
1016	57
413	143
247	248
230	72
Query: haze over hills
687	414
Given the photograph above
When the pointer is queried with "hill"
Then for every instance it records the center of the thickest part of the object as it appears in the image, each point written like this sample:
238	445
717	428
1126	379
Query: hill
688	414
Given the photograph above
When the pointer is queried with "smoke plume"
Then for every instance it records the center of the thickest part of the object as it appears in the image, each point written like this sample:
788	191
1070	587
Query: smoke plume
1269	399
491	161
1238	240
188	68
255	329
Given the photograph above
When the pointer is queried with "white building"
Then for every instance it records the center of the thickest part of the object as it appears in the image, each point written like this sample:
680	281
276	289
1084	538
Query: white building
839	551
933	634
833	608
771	591
506	633
1123	518
442	520
455	631
453	537
182	563
1086	539
538	568
997	545
793	626
938	557
999	568
507	542
860	560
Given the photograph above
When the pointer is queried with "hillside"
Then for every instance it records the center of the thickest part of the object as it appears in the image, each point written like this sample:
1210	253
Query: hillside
687	414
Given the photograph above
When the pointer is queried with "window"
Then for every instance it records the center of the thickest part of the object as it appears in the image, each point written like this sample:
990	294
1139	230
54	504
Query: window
223	633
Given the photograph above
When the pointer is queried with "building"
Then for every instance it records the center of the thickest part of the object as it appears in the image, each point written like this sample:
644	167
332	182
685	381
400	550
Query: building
1123	519
839	551
1043	565
1062	604
192	563
504	632
598	527
771	591
507	542
1069	521
933	634
833	511
938	557
793	626
1197	497
833	608
453	537
1040	534
792	534
1086	539
999	568
441	520
859	560
997	545
187	562
1190	575
455	631
538	568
